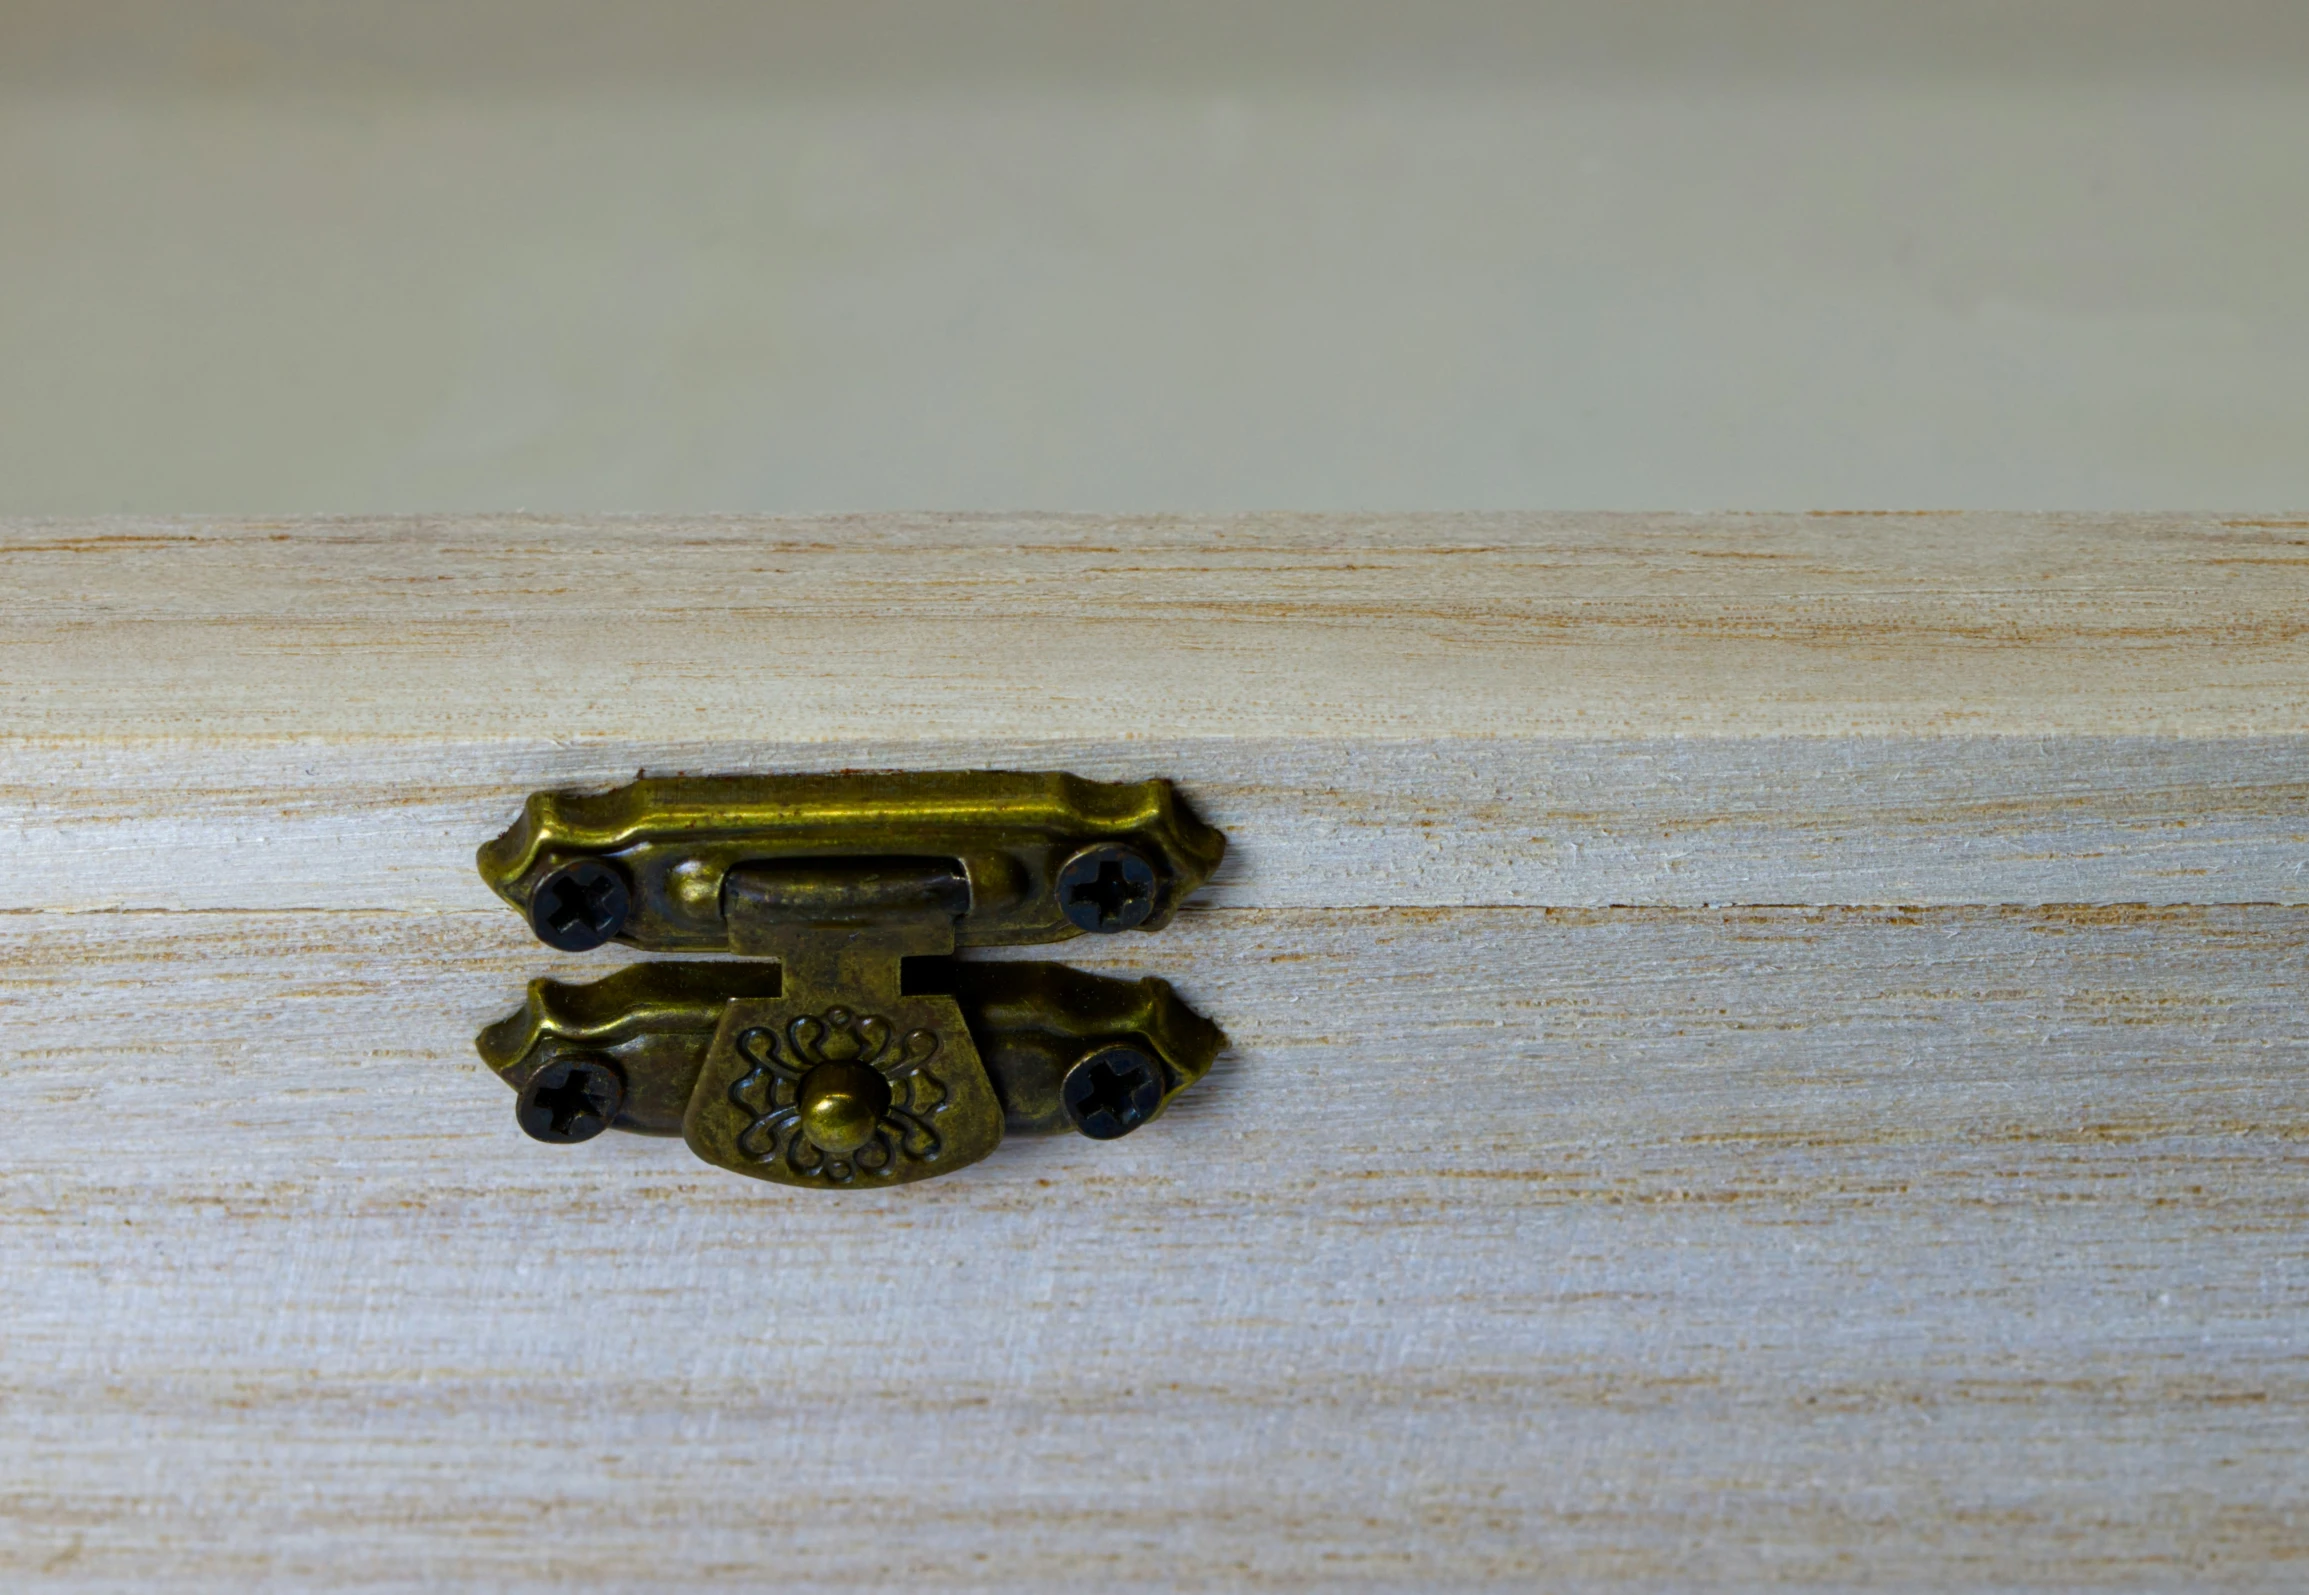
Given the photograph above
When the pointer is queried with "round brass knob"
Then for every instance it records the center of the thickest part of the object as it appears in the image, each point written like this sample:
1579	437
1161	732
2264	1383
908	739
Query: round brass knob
841	1105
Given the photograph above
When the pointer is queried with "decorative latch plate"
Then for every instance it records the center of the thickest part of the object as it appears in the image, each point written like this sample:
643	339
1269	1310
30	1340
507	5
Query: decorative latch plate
852	1048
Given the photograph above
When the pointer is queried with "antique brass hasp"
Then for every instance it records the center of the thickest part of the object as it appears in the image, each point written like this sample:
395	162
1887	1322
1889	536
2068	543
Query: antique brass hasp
860	1051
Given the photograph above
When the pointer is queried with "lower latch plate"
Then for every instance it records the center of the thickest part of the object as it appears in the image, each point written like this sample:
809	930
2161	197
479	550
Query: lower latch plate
829	1095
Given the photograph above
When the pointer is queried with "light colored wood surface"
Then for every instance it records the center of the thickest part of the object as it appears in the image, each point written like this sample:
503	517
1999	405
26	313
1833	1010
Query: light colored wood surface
1617	1248
1416	710
1520	1241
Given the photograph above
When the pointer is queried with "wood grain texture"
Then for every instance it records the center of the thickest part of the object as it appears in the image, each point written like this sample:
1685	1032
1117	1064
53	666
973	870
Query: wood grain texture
1634	1248
1419	710
1767	1051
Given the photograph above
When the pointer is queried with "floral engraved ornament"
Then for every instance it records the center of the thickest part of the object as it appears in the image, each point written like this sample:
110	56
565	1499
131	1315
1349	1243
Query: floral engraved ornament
839	1095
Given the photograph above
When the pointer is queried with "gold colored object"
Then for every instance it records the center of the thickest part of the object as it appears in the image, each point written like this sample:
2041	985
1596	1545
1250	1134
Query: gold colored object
861	1052
675	841
1032	1022
841	1105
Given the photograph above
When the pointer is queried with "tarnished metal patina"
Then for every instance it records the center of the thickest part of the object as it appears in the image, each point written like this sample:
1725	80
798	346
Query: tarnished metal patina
667	847
858	1051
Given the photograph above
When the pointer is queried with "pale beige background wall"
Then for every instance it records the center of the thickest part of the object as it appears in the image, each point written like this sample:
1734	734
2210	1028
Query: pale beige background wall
723	256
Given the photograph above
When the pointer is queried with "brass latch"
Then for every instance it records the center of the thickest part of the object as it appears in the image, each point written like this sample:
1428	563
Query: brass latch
858	1050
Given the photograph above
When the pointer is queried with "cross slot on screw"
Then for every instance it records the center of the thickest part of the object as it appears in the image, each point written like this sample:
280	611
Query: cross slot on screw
1112	1092
1107	888
571	1099
579	906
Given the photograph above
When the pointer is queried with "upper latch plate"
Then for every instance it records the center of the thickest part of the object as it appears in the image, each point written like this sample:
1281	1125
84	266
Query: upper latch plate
1043	856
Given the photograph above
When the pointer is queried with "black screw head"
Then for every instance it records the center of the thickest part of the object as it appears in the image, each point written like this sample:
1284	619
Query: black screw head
1107	888
573	1098
579	906
1112	1092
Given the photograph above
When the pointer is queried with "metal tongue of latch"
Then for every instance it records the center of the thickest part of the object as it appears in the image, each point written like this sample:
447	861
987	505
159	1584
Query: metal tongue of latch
843	1076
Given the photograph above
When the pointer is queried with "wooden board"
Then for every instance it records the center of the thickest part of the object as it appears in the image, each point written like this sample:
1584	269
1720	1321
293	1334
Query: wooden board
1438	710
1943	1226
